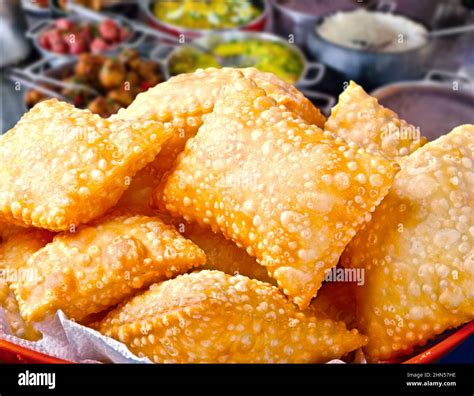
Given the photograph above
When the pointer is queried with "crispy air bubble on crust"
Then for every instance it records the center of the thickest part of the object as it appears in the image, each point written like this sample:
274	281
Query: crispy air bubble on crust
186	99
100	265
292	195
13	256
418	250
62	166
212	317
359	118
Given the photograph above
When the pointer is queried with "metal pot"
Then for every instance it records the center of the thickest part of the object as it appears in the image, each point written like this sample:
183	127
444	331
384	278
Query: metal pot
258	24
432	13
129	8
436	104
13	45
371	68
55	58
311	74
34	12
44	68
296	24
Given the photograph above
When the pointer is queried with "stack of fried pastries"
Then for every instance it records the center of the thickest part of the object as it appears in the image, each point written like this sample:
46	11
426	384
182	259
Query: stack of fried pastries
201	221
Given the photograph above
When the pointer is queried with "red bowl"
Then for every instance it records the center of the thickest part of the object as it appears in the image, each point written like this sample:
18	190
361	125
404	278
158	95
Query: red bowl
12	353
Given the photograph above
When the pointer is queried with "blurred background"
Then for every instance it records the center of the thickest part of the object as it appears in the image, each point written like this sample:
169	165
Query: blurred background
416	56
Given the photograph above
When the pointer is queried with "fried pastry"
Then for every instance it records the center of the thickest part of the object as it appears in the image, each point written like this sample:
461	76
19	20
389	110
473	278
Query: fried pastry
289	193
212	317
225	255
7	230
15	252
137	197
417	251
18	326
63	166
13	257
101	264
359	118
186	99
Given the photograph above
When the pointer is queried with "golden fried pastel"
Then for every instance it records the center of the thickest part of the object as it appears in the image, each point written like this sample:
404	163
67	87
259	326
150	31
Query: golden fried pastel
212	317
10	307
7	230
13	257
418	250
359	118
62	166
99	265
186	99
289	193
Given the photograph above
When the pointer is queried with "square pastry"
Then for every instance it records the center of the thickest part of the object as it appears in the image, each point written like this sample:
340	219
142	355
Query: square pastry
63	166
291	194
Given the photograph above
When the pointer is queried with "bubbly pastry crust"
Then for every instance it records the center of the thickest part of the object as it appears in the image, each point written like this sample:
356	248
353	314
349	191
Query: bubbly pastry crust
101	264
14	253
18	326
184	101
62	166
359	118
289	193
418	250
212	317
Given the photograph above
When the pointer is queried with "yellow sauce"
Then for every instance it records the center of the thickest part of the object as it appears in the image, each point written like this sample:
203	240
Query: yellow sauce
210	14
265	55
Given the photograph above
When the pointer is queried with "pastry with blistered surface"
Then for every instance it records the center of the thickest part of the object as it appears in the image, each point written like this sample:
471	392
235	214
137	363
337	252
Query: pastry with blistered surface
212	317
417	251
18	326
13	257
101	264
186	99
359	118
62	166
289	193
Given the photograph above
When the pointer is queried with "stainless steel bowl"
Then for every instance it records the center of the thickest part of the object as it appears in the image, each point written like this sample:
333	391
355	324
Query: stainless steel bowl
372	68
257	24
432	13
43	68
34	12
436	104
296	24
311	74
14	47
56	58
